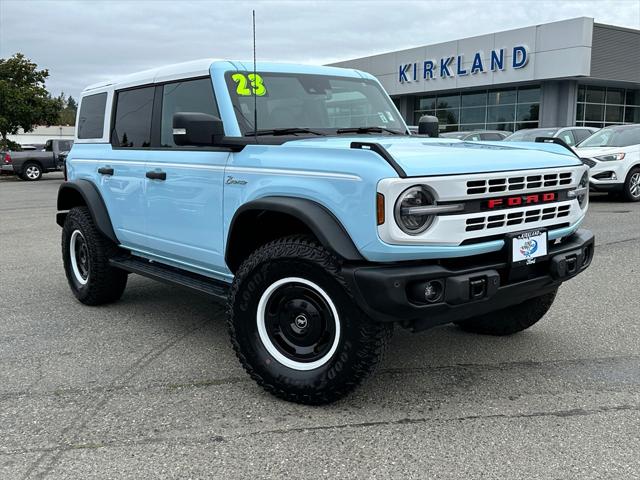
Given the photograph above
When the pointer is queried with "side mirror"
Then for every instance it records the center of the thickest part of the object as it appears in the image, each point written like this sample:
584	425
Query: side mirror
428	125
197	129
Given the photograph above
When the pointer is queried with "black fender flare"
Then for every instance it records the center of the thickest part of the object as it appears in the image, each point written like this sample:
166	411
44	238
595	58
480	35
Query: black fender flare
79	192
322	223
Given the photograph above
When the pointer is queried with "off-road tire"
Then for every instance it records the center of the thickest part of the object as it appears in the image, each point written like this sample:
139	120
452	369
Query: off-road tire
512	319
104	283
361	344
632	177
31	166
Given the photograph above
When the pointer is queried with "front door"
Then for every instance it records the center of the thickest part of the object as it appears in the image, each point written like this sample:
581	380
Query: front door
184	186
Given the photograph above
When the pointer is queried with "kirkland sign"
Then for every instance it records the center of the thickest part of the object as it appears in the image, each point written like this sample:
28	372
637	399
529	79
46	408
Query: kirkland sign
452	66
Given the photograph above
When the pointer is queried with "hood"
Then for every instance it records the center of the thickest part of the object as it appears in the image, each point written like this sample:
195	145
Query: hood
419	156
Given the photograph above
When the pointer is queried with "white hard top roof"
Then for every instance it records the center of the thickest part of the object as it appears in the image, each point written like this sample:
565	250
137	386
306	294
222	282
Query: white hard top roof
193	68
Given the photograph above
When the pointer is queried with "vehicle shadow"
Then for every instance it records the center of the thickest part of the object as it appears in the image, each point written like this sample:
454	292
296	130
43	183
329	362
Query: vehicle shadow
429	366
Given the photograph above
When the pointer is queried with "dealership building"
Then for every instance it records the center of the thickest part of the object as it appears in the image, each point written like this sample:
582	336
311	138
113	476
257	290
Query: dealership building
566	73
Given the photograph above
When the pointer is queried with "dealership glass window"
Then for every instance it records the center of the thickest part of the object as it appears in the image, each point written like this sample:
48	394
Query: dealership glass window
632	115
474	99
501	114
527	112
632	97
427	103
529	95
473	114
503	97
448	101
496	109
602	106
132	126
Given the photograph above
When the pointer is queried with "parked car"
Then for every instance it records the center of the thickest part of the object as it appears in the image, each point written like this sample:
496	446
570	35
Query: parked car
483	135
31	164
570	135
317	219
613	155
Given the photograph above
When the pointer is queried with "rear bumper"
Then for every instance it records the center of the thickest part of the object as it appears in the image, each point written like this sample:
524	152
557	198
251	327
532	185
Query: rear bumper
471	286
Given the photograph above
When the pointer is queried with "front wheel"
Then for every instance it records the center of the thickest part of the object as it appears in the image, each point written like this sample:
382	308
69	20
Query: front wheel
512	319
85	254
295	326
631	190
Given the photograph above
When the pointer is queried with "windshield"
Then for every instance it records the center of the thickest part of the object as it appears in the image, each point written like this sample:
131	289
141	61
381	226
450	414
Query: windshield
319	102
614	137
531	135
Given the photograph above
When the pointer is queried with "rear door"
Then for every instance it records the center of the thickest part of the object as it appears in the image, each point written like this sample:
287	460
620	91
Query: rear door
184	206
121	171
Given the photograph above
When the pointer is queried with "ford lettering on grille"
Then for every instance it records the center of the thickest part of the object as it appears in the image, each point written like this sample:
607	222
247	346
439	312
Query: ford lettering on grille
519	200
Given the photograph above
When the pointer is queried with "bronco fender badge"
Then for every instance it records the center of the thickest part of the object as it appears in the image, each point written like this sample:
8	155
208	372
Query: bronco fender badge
233	181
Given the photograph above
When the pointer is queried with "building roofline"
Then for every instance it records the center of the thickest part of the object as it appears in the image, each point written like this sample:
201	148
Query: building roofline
616	27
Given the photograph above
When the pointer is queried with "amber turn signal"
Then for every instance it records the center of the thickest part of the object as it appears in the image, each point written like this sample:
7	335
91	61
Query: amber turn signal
380	208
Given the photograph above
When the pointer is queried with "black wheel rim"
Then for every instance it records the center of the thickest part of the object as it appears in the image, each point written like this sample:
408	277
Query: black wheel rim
300	323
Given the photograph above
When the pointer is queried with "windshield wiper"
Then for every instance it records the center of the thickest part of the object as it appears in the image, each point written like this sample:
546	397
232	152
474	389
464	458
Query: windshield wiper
370	130
282	131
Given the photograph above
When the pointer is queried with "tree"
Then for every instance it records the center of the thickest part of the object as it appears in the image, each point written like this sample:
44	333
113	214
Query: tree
68	112
24	100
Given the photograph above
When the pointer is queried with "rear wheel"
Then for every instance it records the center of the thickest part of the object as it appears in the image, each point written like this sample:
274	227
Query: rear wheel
31	172
631	190
86	253
295	326
512	319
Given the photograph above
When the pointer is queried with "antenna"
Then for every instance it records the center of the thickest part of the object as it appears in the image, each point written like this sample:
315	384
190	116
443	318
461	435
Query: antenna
255	97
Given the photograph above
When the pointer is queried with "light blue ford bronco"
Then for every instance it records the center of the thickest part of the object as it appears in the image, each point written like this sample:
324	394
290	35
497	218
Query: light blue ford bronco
296	195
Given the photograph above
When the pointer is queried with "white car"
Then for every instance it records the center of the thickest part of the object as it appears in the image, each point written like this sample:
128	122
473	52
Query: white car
613	155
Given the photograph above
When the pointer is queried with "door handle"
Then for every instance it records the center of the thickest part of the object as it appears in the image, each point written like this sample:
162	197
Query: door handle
154	175
105	171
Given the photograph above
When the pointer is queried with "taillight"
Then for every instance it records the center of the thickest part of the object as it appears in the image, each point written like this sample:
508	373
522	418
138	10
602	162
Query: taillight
7	158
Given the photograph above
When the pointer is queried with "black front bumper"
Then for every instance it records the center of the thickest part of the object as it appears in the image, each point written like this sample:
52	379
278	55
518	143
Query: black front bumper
472	285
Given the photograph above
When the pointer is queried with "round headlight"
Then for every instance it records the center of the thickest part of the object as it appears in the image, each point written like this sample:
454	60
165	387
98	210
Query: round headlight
408	217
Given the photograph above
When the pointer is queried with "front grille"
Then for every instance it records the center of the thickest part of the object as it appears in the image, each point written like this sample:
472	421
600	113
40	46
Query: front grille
487	222
588	162
510	184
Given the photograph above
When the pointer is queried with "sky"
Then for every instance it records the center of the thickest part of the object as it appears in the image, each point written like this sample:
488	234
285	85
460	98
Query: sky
83	42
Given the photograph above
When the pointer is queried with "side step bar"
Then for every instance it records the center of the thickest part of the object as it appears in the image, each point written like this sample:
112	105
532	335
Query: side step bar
173	276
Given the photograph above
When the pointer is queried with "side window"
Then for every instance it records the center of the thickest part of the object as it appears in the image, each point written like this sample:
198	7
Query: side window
474	138
132	127
580	135
186	96
567	136
91	118
48	147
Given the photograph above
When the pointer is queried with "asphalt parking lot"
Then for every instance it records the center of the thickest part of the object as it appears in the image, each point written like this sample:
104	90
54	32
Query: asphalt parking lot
150	388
